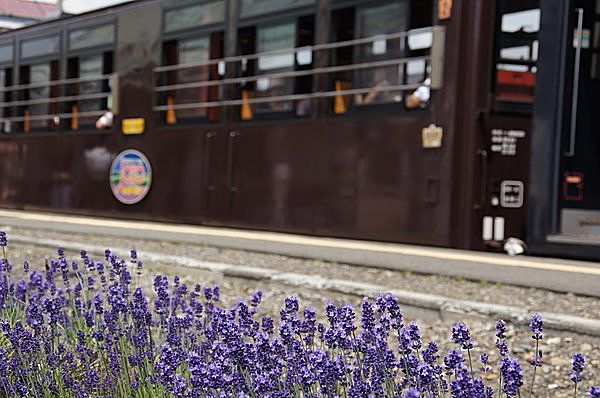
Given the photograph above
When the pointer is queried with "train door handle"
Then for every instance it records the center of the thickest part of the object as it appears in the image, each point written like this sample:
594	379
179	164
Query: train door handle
231	145
575	94
208	143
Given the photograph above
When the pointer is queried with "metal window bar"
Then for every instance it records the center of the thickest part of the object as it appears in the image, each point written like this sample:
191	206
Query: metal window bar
291	74
49	100
63	82
305	72
291	97
52	116
57	100
316	47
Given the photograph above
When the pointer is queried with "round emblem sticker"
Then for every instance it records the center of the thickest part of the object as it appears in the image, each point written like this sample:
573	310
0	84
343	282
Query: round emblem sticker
130	176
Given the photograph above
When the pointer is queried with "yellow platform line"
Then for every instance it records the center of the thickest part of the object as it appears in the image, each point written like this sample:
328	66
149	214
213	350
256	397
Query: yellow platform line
437	253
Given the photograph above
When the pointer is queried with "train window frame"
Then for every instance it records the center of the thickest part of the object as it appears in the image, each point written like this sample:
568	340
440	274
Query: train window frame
6	81
265	111
52	57
214	115
10	54
524	71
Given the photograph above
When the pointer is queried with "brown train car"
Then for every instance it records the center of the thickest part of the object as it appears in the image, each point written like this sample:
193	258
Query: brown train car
404	121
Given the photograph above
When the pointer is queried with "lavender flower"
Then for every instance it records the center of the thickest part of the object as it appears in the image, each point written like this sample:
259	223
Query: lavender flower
462	336
3	240
578	364
502	347
512	376
595	392
415	335
537	326
485	360
412	393
500	329
430	353
453	361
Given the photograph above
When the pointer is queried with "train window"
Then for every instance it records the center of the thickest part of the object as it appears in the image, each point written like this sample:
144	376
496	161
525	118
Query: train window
6	53
193	16
273	38
37	71
84	69
40	47
6	56
5	96
281	51
196	52
373	21
517	47
36	112
378	69
91	37
89	61
256	7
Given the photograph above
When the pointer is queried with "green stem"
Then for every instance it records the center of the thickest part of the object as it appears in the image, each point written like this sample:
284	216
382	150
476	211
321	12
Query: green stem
535	365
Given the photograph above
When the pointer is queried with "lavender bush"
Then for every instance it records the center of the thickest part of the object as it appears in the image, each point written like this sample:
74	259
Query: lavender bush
86	329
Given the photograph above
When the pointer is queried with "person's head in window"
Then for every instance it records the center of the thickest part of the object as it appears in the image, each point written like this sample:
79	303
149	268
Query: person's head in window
380	77
274	88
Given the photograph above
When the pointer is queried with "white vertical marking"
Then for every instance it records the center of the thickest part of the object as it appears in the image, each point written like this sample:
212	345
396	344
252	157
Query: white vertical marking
487	228
499	228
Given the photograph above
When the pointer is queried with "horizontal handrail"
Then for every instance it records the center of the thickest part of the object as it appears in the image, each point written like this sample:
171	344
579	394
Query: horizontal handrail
51	83
49	116
50	100
306	72
316	47
290	97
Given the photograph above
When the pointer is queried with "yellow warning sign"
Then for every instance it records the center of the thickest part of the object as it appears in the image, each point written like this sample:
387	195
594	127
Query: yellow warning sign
133	126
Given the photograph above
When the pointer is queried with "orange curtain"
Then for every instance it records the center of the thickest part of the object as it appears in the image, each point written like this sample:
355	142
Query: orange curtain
171	115
247	113
75	118
341	102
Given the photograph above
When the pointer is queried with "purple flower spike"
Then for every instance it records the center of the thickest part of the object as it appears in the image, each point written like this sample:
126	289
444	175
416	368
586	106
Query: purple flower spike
412	393
500	329
485	359
3	240
512	376
430	353
536	326
453	361
578	364
462	336
256	298
415	335
595	392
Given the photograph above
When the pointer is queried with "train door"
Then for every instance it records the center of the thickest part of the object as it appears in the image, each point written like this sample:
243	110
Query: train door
504	160
220	178
577	185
